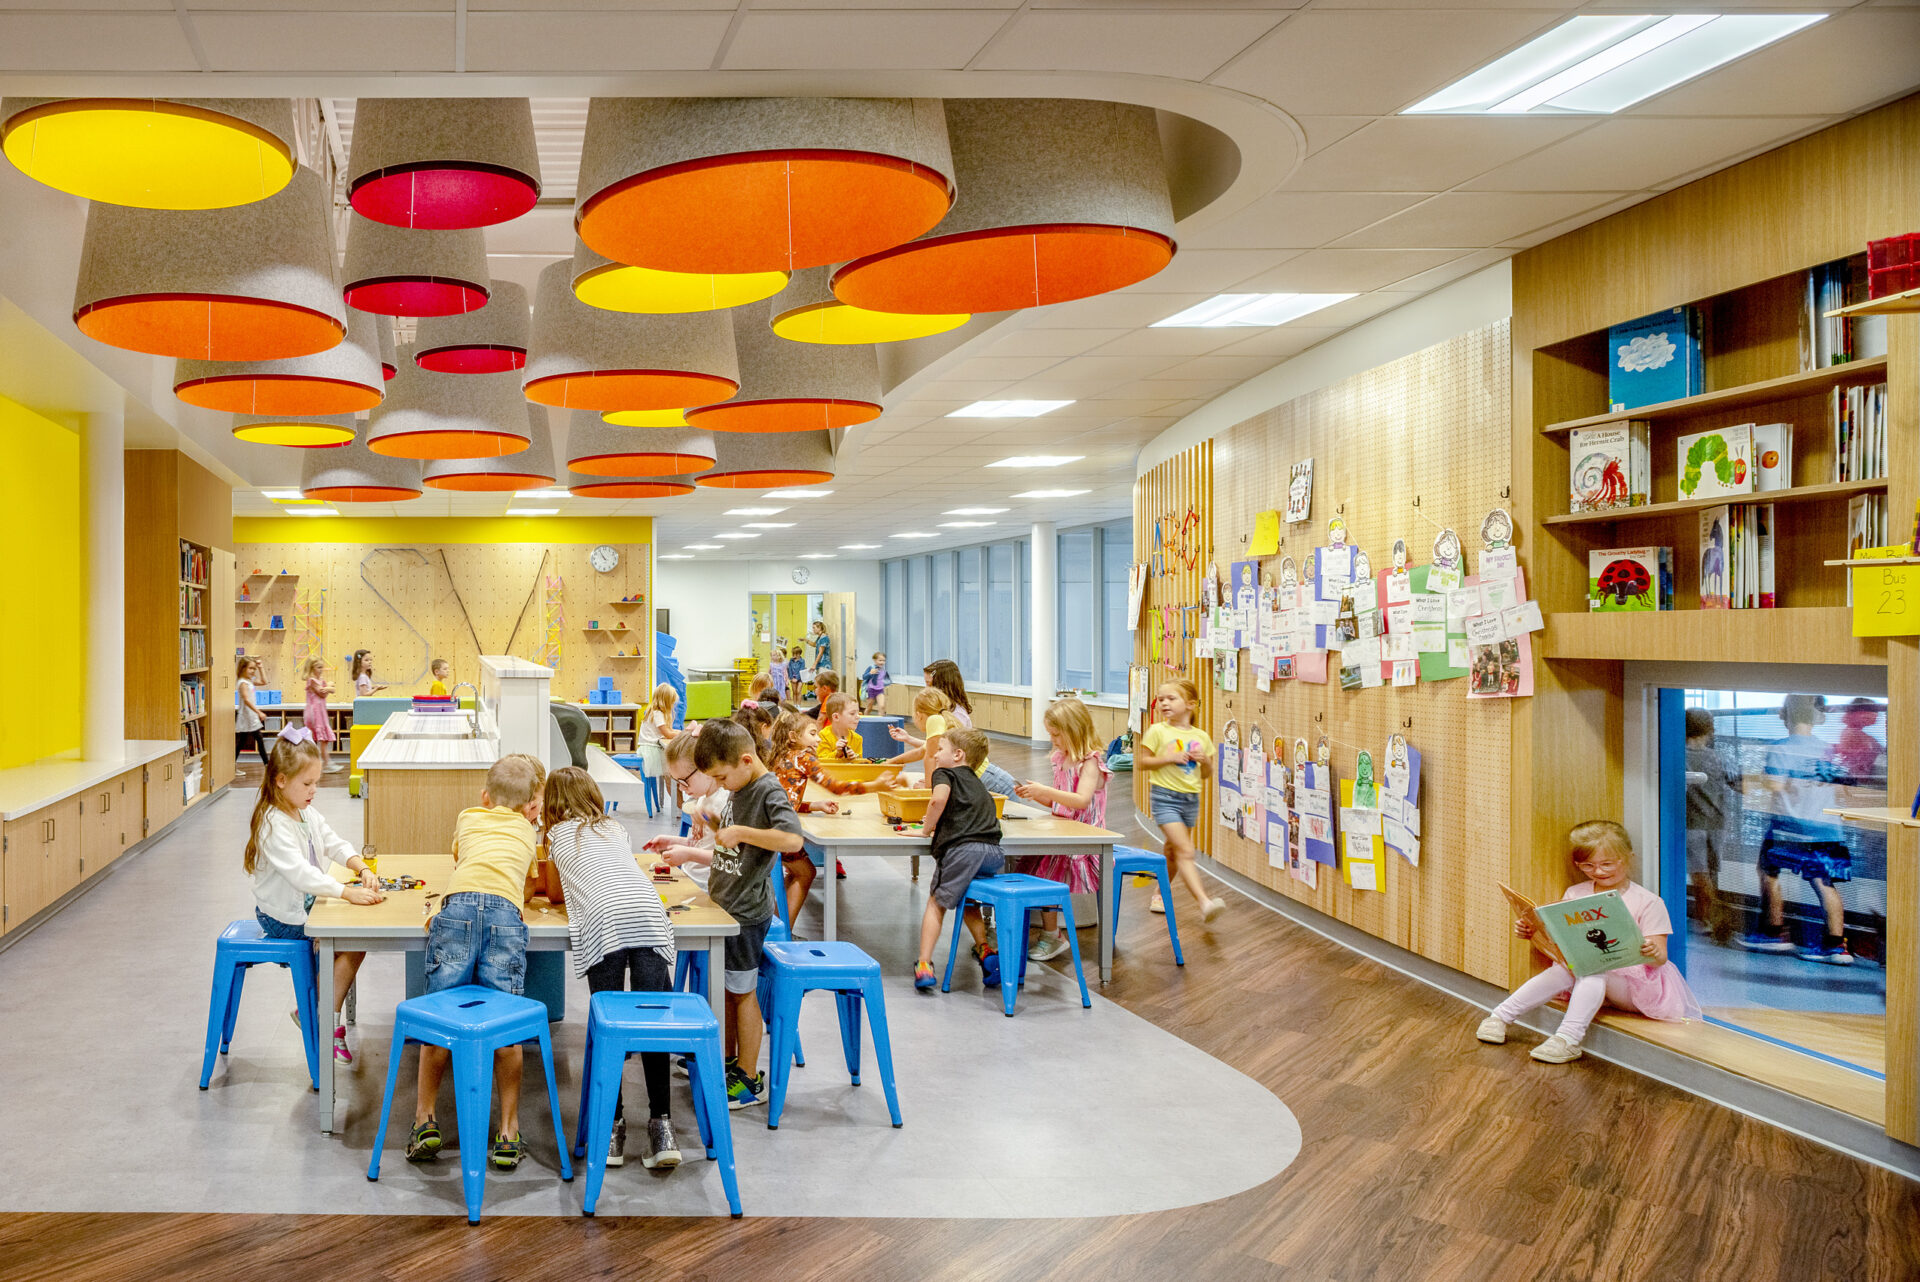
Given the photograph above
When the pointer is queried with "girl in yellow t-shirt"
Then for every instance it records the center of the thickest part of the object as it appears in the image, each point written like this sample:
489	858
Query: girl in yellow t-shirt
1179	754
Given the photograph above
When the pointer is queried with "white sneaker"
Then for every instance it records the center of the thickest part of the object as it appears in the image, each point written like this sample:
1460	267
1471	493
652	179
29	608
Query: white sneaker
1046	948
1213	909
1157	905
1492	1029
1556	1050
617	1146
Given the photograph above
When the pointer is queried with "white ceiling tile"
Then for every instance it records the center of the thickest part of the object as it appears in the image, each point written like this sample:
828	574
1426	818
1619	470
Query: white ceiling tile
1189	45
1053	342
1342	271
1629	153
81	42
1096	373
1001	367
579	42
861	39
1305	219
301	6
1359	62
1428	153
1175	389
1233	369
1547	233
560	6
1851	61
1284	340
359	42
1476	219
1447	273
1180	341
1323	131
1209	269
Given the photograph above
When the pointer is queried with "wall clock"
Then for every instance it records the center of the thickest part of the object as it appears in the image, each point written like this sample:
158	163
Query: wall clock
801	574
604	558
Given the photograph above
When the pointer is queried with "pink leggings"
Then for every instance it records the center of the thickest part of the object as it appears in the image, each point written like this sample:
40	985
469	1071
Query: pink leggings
1582	1006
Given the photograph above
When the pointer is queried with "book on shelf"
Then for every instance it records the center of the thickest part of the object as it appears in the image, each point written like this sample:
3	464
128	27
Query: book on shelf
1736	557
1716	552
1772	457
1866	528
1858	416
194	565
1624	580
1654	359
1716	464
1827	340
193	737
193	648
1609	467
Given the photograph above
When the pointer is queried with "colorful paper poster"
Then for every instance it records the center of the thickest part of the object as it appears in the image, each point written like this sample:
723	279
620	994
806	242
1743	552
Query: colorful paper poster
1400	799
1499	666
1366	853
1245	599
1136	593
1276	839
1448	567
1432	639
1315	798
1300	491
1266	534
1227	772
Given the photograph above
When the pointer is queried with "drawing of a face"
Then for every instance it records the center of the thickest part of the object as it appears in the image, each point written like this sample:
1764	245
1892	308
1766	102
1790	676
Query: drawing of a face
1337	531
1231	735
1397	752
1363	771
1362	565
1323	752
1299	754
1289	577
1497	530
1399	556
1446	549
1256	743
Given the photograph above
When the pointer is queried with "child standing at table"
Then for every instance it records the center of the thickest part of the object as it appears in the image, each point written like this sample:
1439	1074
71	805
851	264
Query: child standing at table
657	726
478	937
248	721
1603	853
1178	753
796	763
618	929
963	827
293	857
315	719
441	670
1079	792
873	682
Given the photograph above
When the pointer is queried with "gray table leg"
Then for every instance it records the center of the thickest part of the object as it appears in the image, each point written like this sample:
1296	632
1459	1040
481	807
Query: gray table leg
831	898
1106	913
717	978
323	1003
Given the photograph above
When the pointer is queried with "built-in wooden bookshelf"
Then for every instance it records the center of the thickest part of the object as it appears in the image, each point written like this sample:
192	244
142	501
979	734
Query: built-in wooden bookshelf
1764	392
1905	301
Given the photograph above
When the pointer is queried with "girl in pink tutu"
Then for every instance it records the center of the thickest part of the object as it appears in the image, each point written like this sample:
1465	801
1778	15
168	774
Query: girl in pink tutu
1603	853
1079	792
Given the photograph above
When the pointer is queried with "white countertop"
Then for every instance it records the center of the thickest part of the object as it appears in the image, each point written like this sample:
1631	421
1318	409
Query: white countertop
25	789
390	752
431	725
1026	692
507	665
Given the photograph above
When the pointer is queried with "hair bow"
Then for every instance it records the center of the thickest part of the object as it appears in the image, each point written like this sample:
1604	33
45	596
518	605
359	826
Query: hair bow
296	734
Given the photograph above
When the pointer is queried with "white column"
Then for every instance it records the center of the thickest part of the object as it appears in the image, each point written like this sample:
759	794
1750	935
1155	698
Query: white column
1043	615
103	459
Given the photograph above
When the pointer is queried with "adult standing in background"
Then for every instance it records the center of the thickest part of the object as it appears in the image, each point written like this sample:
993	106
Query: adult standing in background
822	647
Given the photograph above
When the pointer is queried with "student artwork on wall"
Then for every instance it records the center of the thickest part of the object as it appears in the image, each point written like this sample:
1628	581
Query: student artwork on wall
1314	793
1253	784
1245	598
1300	492
1298	865
1275	832
1445	572
1501	619
1400	799
1227	775
1360	828
1266	534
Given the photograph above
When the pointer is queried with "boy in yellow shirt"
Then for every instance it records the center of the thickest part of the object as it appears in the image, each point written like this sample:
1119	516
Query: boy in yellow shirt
441	670
478	937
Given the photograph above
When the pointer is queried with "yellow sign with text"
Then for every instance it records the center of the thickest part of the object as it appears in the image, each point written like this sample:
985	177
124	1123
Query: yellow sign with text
1266	534
1886	601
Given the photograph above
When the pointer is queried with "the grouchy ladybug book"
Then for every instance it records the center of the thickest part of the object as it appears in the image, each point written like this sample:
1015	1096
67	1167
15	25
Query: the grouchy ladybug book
1628	579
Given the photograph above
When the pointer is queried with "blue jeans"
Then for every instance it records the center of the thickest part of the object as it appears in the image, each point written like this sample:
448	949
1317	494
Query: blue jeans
477	939
997	781
277	929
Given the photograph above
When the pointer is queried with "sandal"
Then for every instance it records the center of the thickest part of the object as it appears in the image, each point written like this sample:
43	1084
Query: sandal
423	1144
507	1152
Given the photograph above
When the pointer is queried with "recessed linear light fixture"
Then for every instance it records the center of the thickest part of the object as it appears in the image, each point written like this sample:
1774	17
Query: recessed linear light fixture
282	496
543	494
796	494
1050	494
313	511
816	556
973	511
964	525
1038	460
673	556
916	534
858	547
1600	63
1008	409
755	511
701	547
533	511
736	534
1249	309
767	525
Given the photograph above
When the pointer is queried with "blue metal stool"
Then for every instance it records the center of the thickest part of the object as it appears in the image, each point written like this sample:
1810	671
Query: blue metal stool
690	972
1132	859
1014	897
623	1024
854	980
649	784
779	874
777	933
472	1022
241	945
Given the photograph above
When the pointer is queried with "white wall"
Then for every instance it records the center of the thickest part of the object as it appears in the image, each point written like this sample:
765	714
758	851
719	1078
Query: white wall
708	600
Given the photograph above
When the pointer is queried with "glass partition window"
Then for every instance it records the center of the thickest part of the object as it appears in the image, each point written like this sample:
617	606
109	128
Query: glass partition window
942	644
1000	613
916	647
1076	608
968	619
1116	648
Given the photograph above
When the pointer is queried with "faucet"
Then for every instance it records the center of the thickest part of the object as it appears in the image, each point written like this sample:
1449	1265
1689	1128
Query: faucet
473	725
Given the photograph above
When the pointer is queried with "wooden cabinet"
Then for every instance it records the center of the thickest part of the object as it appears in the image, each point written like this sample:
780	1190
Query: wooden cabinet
220	642
164	800
111	818
40	857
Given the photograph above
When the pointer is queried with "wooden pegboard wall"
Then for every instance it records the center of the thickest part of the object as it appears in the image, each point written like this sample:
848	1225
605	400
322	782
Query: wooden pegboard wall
1173	535
494	581
1433	426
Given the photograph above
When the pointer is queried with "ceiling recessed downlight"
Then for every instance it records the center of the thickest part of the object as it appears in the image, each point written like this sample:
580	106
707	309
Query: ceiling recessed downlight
816	556
754	511
858	547
533	511
796	494
673	556
701	547
1600	63
916	534
973	511
1249	309
313	511
1038	460
964	525
1008	409
736	534
767	525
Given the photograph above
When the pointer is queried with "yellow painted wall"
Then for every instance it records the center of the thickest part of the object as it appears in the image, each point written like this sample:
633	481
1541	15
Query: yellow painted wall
42	593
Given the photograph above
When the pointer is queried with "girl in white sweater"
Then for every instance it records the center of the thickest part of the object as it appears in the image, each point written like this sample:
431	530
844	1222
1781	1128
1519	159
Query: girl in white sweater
293	857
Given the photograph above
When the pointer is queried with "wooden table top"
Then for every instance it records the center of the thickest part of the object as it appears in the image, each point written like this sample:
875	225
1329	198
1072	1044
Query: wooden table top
404	913
859	824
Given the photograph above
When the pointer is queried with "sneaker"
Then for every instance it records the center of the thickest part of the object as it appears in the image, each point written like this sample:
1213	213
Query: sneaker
1157	904
340	1052
1556	1050
1213	909
924	979
423	1144
664	1151
1492	1029
744	1091
1833	954
680	1067
1760	941
989	967
507	1152
839	871
1046	948
617	1146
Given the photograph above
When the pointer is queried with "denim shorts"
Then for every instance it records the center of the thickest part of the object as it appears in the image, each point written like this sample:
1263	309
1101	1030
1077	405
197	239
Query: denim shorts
959	864
277	929
743	954
997	781
479	939
1169	807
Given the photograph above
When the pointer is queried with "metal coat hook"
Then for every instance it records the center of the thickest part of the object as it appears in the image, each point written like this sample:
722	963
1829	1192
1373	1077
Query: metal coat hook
1506	491
1407	724
1416	500
1319	717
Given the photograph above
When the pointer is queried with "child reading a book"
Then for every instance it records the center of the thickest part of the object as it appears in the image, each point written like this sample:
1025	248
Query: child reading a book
1603	853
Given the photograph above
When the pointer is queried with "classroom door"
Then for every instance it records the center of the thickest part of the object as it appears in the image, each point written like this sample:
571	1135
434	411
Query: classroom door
837	613
760	608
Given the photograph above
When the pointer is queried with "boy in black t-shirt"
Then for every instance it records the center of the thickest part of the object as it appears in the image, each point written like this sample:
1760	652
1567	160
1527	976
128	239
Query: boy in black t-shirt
964	828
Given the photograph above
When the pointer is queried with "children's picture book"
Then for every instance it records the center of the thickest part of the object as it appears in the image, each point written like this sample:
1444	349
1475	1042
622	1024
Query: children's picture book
1594	933
1300	491
1628	579
1524	909
1717	463
1716	544
1610	467
1772	456
1654	359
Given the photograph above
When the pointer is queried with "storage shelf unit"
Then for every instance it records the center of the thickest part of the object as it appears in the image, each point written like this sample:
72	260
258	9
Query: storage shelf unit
1887	816
1892	305
1797	494
1734	398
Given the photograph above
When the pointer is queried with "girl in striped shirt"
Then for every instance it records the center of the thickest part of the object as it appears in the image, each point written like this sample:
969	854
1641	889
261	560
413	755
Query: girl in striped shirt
618	929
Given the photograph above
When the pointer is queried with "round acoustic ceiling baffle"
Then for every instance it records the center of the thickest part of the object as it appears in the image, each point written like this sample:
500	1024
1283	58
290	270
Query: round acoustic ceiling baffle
1059	199
646	418
759	184
806	311
344	379
397	272
599	450
488	341
584	358
617	287
528	470
250	283
389	356
793	387
355	474
768	462
303	431
428	415
153	153
443	164
583	486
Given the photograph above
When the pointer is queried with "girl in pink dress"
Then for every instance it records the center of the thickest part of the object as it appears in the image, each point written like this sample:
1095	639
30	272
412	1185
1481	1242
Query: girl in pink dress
1079	792
1603	852
318	688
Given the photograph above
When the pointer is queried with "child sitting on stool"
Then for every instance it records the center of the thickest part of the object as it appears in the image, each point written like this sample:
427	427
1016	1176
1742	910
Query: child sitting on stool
964	828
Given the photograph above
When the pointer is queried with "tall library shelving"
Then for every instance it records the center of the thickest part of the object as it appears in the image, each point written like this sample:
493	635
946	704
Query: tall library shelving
1738	246
179	641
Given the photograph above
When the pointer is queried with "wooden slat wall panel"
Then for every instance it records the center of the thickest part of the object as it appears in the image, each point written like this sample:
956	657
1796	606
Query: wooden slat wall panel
1173	533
